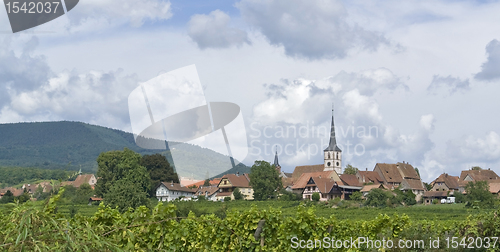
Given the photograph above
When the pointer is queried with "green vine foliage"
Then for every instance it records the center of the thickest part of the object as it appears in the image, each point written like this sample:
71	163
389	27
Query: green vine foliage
26	227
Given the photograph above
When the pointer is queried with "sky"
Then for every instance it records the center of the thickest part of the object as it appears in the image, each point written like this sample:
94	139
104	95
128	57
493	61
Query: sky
413	81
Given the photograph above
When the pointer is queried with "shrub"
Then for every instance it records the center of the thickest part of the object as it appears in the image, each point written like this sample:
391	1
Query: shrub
357	196
227	199
315	196
237	194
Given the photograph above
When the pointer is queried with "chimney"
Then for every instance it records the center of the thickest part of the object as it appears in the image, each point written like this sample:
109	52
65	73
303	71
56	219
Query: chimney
366	169
237	174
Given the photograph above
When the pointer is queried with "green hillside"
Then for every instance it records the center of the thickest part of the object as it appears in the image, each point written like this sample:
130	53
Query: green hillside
75	145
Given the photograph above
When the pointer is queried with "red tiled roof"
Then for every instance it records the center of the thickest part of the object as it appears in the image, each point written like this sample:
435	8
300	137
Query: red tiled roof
202	190
324	184
413	184
494	187
450	181
301	182
238	180
370	177
176	187
214	181
368	188
390	172
350	180
408	171
479	175
83	179
299	170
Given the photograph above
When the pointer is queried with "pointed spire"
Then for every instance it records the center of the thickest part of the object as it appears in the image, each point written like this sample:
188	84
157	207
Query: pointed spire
276	163
333	141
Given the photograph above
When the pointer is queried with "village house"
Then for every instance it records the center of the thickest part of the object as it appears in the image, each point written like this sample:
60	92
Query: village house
445	183
81	179
430	196
368	177
301	183
476	175
402	176
210	192
230	182
171	191
328	189
200	183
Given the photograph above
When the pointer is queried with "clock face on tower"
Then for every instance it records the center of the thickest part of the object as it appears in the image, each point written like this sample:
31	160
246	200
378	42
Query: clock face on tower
329	164
338	164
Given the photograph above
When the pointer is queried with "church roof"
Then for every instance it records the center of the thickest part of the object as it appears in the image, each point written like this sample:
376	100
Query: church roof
333	141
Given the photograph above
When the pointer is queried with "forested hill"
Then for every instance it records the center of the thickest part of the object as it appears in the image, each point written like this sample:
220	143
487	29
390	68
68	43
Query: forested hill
75	145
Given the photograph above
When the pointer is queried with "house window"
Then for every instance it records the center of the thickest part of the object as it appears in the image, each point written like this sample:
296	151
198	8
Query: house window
225	182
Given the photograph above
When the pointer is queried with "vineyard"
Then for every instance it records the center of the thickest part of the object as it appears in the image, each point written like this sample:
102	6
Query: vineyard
30	228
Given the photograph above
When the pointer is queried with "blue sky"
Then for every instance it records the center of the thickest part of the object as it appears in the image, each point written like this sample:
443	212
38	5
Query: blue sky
425	74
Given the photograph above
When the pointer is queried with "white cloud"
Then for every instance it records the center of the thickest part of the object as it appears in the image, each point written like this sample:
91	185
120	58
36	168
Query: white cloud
449	83
474	149
214	31
369	81
95	97
362	133
489	69
316	29
134	12
21	71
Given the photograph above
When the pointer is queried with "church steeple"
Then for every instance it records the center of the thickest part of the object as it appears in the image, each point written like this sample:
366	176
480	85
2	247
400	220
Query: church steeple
276	164
333	154
333	141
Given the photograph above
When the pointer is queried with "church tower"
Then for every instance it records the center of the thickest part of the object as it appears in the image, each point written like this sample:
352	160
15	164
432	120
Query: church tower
333	154
277	166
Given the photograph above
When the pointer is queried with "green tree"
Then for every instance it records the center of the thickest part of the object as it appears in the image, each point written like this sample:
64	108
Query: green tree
478	194
124	182
377	197
357	196
349	169
428	186
264	180
125	194
8	197
418	172
207	182
237	194
83	193
476	168
159	171
315	196
114	166
409	199
227	199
